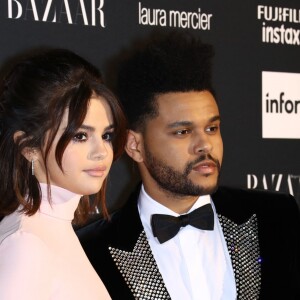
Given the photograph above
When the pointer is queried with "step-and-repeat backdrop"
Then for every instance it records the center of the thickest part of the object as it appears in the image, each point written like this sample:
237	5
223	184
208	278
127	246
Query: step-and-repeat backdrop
256	70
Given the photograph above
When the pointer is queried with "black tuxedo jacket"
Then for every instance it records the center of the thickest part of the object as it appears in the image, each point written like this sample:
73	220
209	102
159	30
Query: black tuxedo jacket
261	228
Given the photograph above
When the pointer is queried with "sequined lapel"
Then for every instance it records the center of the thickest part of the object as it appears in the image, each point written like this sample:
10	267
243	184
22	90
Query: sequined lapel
243	247
140	271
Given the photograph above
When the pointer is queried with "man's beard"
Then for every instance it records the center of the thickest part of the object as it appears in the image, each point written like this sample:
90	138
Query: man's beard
176	182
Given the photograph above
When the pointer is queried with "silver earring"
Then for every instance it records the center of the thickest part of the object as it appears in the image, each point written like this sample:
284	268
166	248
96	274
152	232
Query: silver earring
32	167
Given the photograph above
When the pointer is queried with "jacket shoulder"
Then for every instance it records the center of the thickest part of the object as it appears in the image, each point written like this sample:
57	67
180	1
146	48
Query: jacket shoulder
239	204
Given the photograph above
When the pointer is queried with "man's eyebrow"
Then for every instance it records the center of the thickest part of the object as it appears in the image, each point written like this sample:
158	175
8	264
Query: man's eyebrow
215	118
179	124
189	123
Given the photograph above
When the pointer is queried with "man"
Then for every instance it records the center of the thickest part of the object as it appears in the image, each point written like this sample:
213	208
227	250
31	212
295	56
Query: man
224	244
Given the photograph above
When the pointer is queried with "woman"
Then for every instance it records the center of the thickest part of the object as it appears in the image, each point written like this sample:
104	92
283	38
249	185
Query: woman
60	128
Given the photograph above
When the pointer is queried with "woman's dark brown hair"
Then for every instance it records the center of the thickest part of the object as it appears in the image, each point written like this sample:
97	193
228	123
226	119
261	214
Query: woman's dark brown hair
33	99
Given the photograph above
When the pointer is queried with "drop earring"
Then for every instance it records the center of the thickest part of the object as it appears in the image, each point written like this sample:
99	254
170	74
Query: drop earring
32	167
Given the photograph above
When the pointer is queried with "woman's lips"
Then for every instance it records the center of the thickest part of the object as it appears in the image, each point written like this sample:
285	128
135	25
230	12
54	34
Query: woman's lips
96	172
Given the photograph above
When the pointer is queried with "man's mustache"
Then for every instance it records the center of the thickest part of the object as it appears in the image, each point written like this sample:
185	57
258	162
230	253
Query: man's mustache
201	158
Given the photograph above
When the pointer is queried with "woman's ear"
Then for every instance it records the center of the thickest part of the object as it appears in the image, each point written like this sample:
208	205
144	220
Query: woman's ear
28	152
133	145
18	136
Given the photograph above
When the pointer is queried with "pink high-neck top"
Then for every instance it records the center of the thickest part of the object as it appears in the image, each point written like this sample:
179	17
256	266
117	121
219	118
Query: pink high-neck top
41	257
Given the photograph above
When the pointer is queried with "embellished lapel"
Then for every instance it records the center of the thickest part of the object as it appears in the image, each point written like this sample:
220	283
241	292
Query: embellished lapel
240	228
140	270
132	255
243	247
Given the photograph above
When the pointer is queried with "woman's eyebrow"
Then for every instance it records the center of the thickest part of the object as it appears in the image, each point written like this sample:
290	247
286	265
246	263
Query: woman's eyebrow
92	129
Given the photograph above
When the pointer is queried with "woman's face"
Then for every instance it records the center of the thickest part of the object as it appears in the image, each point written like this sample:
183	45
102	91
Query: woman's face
87	158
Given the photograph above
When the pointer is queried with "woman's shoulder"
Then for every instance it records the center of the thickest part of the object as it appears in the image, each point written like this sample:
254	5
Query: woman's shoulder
17	243
25	260
10	225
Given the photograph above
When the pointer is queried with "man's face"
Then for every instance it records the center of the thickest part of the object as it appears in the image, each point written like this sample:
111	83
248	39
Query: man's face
182	148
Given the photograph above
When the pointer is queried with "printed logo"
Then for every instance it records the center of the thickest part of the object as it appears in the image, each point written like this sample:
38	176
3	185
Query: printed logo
280	105
173	18
280	33
89	13
286	183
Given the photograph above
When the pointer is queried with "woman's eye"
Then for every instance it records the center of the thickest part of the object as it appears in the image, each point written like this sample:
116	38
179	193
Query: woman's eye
108	136
80	137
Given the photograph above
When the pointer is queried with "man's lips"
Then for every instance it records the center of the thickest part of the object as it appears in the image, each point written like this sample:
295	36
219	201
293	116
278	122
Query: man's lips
96	172
205	167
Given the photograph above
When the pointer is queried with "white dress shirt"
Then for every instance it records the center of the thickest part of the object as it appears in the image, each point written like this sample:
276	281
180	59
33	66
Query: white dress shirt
195	264
41	257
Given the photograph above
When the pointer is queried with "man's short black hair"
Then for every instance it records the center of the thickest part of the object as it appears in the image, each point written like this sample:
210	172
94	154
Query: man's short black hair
170	62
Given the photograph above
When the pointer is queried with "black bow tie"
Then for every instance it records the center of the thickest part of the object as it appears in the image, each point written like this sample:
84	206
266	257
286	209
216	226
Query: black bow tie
165	227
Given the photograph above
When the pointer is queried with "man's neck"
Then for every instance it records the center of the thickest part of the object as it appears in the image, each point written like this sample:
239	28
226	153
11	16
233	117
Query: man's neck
175	202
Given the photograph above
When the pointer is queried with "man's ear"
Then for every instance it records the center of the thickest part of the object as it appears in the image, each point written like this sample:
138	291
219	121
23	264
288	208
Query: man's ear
133	145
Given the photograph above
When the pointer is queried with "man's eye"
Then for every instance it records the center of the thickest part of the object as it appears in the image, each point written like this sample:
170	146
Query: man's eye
182	132
212	128
108	136
80	137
